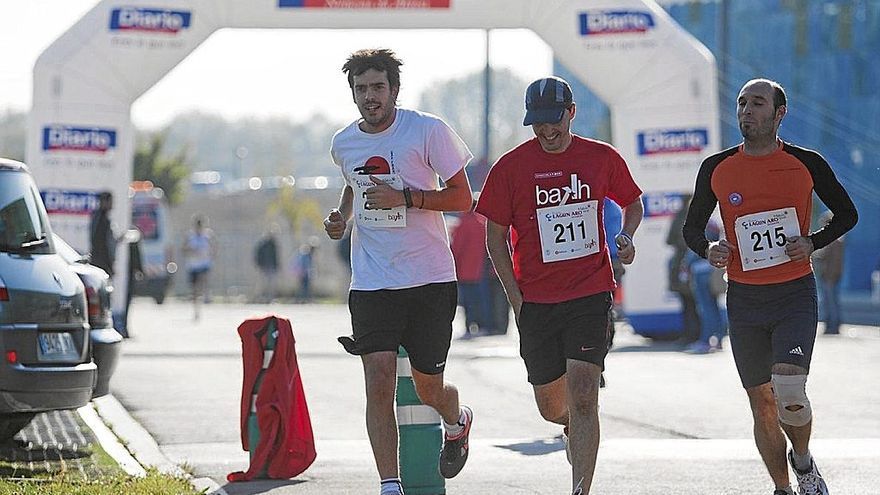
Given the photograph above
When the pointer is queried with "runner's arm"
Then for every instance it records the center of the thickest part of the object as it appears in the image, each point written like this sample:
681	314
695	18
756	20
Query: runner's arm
835	197
701	208
632	217
499	253
456	196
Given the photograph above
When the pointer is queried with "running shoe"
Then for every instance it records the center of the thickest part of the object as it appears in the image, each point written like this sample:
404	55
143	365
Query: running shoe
455	449
809	482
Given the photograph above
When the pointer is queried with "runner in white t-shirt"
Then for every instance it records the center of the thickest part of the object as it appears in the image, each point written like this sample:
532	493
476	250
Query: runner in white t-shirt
403	285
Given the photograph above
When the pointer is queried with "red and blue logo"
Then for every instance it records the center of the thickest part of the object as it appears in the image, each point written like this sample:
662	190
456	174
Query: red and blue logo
82	139
595	22
365	4
145	20
659	141
59	201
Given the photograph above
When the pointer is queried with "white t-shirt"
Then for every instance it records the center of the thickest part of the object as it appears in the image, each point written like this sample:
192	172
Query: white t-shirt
418	148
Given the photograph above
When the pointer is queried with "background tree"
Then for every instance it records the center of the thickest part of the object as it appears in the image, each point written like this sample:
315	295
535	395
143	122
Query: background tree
460	103
167	172
13	131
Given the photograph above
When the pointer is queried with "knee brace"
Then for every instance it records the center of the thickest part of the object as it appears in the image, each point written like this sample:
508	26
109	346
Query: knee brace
791	399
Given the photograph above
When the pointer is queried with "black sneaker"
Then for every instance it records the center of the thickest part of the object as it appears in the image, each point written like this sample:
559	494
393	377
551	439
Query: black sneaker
455	450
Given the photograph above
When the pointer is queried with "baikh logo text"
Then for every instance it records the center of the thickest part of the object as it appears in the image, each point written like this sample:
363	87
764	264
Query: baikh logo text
598	22
660	141
575	190
80	139
144	20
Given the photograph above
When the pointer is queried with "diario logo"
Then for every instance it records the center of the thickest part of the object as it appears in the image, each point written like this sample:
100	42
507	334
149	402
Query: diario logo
150	20
365	4
595	22
59	201
662	204
560	195
82	139
659	141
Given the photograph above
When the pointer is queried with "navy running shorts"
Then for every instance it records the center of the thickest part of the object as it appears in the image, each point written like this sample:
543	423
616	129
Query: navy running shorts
418	318
769	324
551	333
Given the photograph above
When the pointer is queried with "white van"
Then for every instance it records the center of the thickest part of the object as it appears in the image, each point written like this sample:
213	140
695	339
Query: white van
149	213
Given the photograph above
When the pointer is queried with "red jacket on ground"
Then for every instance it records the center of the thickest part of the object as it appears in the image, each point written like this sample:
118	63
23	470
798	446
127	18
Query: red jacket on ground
286	446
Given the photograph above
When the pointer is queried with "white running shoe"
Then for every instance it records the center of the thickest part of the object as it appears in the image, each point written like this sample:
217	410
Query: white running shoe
809	482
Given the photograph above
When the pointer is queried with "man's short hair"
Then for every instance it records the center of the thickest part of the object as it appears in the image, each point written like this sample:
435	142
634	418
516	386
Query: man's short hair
380	59
779	98
105	195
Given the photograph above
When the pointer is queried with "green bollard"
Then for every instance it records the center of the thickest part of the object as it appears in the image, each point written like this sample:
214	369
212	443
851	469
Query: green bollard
420	434
252	425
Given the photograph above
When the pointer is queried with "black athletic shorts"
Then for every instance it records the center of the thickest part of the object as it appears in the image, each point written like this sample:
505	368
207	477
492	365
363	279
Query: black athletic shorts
769	324
418	318
551	333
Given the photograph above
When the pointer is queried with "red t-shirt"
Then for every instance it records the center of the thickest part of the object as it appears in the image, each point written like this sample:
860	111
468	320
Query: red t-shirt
527	179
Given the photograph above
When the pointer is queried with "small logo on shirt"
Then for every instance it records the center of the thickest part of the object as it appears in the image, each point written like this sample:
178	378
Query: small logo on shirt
796	351
585	348
735	198
374	165
548	175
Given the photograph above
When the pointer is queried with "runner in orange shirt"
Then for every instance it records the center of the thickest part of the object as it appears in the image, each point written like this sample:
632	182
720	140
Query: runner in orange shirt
764	188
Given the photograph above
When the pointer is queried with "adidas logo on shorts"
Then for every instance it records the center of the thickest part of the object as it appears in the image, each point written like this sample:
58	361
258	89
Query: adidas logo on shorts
797	351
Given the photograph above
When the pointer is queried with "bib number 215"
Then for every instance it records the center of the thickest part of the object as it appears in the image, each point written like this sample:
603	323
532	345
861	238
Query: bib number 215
765	238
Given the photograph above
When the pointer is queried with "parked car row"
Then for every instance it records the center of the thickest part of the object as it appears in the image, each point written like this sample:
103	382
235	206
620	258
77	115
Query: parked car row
58	344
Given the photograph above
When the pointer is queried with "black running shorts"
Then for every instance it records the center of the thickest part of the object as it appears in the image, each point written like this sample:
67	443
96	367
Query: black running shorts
774	323
418	318
551	333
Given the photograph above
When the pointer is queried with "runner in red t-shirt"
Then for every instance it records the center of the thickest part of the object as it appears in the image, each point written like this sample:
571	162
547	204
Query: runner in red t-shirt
548	195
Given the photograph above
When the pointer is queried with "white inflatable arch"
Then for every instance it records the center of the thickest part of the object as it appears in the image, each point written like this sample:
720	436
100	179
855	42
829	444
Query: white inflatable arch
658	81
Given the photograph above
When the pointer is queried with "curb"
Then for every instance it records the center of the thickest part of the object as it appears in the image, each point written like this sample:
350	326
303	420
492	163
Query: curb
131	445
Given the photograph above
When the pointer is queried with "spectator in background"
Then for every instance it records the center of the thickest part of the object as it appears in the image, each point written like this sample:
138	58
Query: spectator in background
828	264
266	259
468	246
135	274
102	240
703	282
305	267
677	277
199	251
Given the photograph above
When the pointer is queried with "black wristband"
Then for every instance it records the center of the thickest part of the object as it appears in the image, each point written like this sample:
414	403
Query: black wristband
407	197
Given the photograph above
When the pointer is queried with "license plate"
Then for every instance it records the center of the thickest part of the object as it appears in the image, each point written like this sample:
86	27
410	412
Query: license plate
57	346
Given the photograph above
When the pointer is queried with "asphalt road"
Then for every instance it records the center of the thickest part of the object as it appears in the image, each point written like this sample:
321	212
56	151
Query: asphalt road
672	423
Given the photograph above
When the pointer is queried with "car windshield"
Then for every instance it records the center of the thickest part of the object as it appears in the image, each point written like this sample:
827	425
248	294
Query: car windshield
23	222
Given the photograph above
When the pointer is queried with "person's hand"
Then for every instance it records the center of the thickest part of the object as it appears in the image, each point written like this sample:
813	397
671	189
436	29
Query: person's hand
334	225
382	196
626	248
718	253
798	248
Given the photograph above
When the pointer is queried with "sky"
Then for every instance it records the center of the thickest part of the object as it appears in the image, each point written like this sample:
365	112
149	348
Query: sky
239	73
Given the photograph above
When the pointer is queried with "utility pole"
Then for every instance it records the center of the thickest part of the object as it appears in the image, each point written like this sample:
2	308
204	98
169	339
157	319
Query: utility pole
487	102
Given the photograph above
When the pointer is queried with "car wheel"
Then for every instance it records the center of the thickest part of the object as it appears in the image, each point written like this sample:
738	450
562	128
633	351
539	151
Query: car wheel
10	424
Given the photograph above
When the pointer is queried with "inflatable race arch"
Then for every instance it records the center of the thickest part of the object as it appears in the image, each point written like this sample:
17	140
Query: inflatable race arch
659	82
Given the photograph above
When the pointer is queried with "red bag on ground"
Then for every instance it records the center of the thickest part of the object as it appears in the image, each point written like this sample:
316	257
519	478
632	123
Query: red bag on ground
286	445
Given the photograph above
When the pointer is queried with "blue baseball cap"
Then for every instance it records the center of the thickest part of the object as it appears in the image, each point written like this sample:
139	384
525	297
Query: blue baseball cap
546	101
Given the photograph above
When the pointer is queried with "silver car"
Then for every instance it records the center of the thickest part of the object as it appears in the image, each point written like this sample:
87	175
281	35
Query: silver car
44	332
106	341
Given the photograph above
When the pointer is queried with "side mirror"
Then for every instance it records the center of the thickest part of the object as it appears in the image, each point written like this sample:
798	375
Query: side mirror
131	236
